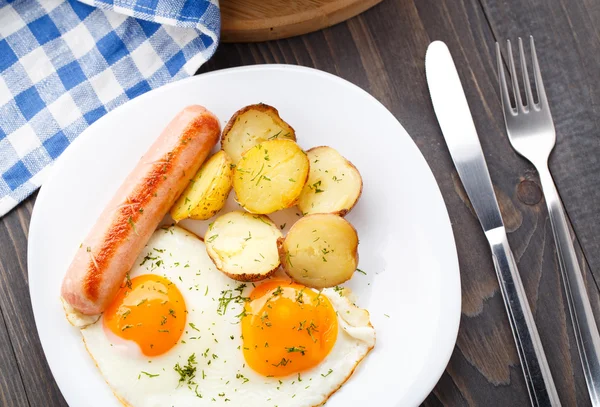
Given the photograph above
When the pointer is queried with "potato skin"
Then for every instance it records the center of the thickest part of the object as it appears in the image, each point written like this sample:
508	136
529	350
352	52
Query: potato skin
307	188
344	212
272	112
282	255
250	277
261	107
329	275
203	198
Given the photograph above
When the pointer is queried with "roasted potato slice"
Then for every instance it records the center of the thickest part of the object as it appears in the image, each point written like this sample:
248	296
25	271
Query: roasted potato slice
334	184
243	245
320	250
252	125
208	190
270	176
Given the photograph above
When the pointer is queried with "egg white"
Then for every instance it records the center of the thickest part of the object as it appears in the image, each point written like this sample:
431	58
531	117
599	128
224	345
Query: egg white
222	377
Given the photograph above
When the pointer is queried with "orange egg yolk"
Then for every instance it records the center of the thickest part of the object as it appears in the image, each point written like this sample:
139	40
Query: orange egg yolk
150	311
288	328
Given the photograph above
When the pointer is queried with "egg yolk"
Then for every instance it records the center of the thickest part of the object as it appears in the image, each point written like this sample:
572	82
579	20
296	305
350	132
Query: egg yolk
288	328
150	311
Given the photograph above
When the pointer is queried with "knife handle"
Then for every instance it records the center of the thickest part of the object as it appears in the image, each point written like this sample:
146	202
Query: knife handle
541	388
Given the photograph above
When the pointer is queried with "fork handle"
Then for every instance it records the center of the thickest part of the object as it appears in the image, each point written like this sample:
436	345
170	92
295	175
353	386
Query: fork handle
584	325
538	378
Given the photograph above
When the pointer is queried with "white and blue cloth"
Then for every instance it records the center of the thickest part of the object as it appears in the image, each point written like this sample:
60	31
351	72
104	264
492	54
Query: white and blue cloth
66	63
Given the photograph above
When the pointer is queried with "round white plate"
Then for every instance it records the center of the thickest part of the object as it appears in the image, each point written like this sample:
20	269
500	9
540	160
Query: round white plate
411	286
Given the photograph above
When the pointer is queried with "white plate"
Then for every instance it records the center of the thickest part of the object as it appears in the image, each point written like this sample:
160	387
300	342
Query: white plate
412	286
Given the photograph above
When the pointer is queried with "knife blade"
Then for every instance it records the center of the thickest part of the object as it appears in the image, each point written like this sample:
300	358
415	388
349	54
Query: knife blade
454	117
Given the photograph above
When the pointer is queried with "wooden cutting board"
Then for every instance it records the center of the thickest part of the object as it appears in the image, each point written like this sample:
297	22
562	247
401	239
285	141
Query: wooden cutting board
262	20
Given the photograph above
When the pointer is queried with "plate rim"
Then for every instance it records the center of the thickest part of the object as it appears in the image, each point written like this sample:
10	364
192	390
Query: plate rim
452	266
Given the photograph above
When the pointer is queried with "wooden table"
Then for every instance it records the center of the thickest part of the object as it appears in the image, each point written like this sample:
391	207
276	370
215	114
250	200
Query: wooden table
383	51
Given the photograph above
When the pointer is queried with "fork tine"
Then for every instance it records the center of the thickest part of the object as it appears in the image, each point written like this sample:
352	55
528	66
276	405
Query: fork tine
515	79
539	84
504	96
526	83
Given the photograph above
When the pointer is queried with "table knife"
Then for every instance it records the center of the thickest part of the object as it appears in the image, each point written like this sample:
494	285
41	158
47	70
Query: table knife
455	120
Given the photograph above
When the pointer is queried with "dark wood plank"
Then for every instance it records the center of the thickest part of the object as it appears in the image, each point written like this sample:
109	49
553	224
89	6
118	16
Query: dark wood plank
568	44
485	338
40	387
12	392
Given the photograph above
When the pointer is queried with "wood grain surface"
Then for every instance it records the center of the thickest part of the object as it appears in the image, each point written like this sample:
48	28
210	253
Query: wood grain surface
382	50
262	20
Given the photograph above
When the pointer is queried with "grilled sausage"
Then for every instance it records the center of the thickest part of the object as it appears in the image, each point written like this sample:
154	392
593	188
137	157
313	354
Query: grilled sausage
109	251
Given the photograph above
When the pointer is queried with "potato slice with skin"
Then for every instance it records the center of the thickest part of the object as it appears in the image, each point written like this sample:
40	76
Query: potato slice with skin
320	250
270	176
208	190
252	125
334	184
243	245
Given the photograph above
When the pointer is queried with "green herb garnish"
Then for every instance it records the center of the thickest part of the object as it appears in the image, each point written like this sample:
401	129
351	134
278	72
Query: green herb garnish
299	349
187	373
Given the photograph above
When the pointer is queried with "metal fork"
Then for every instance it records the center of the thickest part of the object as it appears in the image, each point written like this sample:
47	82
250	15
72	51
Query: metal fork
531	132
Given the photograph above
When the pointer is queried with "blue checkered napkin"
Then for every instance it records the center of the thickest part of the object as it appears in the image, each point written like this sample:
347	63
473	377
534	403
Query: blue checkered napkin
65	63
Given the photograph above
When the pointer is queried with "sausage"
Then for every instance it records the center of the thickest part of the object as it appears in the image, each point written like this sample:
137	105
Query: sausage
111	247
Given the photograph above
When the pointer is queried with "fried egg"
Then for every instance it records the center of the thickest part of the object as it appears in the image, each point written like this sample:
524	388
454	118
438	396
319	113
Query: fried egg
181	333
